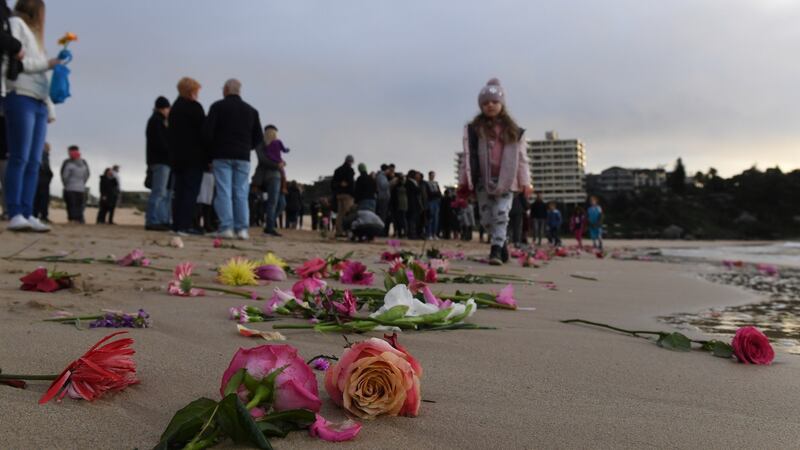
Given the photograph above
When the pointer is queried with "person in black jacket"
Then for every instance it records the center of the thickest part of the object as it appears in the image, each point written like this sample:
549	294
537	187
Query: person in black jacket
157	215
343	188
41	202
366	189
233	129
187	154
109	191
414	214
11	48
294	204
539	218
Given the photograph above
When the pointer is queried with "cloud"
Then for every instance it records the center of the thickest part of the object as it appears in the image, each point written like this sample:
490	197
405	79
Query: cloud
640	81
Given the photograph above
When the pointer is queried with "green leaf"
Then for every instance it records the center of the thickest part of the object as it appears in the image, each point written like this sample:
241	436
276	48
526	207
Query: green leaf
437	317
236	422
394	313
419	272
719	349
674	341
279	424
186	423
236	380
401	277
388	281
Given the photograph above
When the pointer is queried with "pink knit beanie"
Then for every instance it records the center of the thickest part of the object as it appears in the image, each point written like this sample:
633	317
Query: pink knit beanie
492	92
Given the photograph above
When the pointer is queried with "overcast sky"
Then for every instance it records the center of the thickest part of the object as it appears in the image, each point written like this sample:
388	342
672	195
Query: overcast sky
641	82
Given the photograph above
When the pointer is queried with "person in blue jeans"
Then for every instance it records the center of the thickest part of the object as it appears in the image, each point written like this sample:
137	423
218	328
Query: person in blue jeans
232	129
268	176
554	221
158	204
28	110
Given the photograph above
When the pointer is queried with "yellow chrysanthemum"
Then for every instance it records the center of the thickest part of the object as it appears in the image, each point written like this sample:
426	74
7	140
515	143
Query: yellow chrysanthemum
238	272
271	260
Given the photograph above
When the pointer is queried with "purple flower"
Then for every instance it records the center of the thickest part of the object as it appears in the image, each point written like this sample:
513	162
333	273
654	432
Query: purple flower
321	364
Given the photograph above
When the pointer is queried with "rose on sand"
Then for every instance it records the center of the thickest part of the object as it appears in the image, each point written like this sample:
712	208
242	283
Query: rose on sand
354	272
104	368
134	258
374	378
313	268
506	296
39	280
311	285
295	386
751	346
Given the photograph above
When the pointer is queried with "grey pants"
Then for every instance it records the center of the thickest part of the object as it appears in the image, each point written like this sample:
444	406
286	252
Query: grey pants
494	214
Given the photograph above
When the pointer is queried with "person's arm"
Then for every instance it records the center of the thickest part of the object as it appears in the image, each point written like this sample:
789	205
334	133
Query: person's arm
51	110
523	167
209	126
258	135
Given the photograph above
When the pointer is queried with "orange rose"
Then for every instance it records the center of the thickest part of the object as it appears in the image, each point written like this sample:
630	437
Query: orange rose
374	378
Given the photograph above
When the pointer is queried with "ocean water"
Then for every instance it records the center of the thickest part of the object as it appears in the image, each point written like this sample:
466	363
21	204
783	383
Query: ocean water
785	254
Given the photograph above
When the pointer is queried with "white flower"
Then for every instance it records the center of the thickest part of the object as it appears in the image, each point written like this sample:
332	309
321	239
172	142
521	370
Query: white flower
459	308
401	296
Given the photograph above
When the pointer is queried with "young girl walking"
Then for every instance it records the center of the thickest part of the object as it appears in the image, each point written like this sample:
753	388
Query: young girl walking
577	224
494	166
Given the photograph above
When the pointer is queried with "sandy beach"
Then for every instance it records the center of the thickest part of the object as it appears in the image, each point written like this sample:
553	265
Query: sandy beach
531	383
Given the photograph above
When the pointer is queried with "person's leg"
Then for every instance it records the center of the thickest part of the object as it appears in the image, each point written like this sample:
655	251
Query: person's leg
3	163
273	186
241	187
223	199
102	209
20	122
436	216
340	202
498	218
179	200
158	204
111	207
31	174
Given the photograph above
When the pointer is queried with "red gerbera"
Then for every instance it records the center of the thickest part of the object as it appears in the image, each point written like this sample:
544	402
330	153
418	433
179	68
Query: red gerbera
104	368
313	268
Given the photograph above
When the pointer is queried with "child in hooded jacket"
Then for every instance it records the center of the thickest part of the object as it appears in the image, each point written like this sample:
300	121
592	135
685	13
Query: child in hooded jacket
494	166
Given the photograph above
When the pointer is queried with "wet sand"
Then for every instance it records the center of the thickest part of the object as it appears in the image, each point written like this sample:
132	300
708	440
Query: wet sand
531	383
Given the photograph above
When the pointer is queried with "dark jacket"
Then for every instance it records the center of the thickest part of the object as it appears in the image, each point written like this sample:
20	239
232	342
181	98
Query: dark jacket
157	144
266	168
185	135
294	199
366	188
45	172
539	210
415	200
9	45
519	205
344	174
232	129
109	187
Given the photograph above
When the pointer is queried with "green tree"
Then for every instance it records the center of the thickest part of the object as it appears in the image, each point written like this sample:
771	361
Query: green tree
677	178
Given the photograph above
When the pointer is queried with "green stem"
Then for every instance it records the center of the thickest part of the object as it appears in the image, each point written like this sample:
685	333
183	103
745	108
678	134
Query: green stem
240	293
70	319
621	330
196	442
5	376
292	326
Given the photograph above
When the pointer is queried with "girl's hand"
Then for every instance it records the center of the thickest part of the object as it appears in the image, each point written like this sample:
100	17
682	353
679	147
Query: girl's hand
21	54
53	62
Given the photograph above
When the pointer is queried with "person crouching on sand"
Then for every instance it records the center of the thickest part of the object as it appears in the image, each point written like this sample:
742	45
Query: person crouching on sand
495	165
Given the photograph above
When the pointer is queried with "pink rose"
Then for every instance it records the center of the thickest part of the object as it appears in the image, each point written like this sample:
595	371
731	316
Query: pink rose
506	296
295	387
334	432
313	268
373	378
751	346
311	285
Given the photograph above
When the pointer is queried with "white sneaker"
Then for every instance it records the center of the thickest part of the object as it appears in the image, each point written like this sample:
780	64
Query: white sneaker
227	234
19	223
37	226
242	235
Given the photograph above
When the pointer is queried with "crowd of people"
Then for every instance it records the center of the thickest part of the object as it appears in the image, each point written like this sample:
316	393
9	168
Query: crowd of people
198	168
